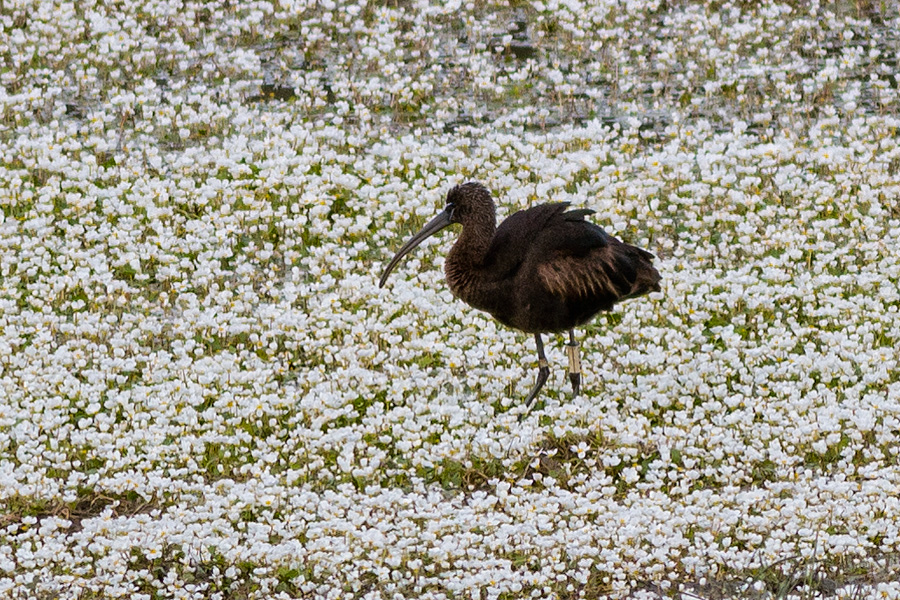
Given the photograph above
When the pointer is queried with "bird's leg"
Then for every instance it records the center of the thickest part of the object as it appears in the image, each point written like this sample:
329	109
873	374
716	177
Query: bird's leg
543	373
574	363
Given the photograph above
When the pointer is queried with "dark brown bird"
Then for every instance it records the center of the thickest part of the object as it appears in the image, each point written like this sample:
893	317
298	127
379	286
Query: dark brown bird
544	270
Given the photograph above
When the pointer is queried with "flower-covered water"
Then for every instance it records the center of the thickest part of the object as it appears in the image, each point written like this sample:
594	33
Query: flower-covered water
204	394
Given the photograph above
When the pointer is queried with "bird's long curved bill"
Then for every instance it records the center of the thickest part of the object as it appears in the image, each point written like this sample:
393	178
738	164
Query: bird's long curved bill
432	227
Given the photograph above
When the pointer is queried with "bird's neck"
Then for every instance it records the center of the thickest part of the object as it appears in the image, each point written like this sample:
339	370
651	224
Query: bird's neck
471	247
465	261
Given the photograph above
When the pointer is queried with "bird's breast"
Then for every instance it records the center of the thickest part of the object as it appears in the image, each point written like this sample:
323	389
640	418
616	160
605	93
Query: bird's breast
471	286
463	281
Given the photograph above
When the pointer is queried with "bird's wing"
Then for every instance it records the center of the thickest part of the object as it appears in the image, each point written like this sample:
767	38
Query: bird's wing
577	259
564	233
514	239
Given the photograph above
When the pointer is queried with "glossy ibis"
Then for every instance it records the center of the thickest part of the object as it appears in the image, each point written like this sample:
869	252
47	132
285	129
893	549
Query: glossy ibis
543	270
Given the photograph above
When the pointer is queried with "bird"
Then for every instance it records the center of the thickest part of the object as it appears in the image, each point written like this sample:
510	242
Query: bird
544	270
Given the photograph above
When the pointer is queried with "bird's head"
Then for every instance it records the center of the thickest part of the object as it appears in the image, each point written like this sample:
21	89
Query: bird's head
466	203
470	201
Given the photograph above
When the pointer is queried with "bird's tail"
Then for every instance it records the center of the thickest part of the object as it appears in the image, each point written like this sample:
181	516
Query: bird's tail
647	278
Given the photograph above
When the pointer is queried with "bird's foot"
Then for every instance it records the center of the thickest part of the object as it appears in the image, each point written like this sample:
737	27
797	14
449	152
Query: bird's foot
575	378
543	374
574	367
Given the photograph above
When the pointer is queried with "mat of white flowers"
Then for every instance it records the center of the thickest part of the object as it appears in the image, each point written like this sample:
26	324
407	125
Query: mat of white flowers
204	394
